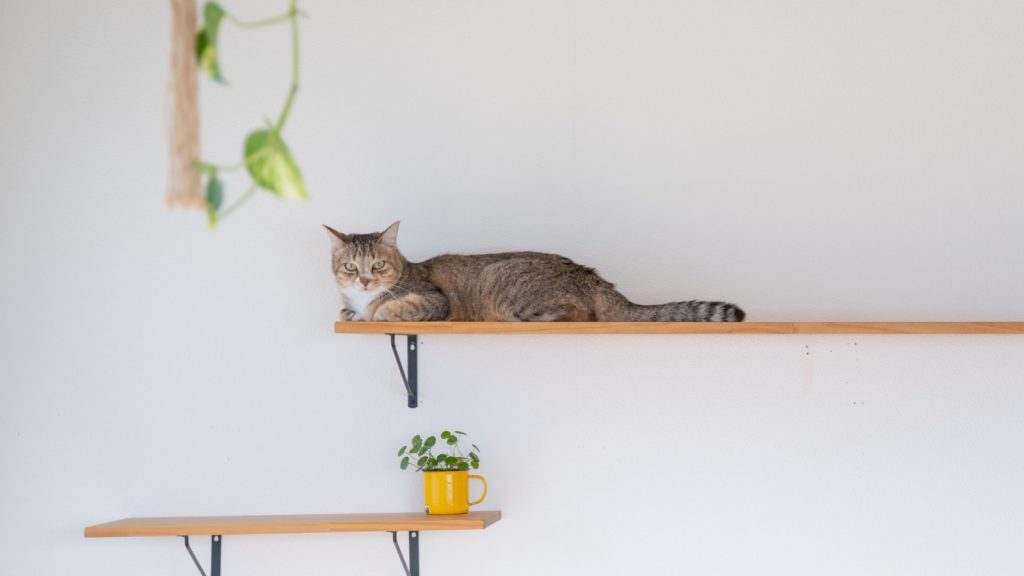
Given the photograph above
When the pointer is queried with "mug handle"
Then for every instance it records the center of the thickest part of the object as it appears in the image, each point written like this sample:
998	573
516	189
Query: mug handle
482	496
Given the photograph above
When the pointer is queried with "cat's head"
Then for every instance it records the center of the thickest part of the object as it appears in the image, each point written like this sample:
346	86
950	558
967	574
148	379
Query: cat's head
365	262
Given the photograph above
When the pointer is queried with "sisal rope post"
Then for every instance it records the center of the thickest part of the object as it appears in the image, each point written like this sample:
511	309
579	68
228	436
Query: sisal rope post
184	187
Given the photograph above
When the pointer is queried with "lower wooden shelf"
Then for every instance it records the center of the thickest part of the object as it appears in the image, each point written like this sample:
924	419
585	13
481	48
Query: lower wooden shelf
291	524
218	526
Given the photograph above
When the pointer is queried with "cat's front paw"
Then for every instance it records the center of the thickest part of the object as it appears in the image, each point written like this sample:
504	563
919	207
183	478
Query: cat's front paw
346	315
398	311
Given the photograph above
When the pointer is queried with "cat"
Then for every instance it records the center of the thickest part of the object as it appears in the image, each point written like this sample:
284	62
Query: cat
378	284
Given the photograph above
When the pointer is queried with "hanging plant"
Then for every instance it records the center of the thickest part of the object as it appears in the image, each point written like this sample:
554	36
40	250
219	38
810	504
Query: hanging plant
265	156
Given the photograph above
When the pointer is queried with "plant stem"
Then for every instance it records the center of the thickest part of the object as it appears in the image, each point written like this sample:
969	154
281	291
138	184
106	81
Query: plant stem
208	166
258	23
224	213
293	14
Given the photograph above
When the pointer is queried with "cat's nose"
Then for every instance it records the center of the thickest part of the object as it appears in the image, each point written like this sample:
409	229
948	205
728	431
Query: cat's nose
365	281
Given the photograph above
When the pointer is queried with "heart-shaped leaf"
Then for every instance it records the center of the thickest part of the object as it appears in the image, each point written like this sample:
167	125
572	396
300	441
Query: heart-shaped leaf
272	167
206	40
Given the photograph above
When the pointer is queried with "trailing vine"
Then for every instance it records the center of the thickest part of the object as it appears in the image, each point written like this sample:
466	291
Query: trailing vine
265	156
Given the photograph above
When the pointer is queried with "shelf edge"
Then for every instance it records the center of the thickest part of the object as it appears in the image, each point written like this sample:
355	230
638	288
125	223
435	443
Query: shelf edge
294	524
445	327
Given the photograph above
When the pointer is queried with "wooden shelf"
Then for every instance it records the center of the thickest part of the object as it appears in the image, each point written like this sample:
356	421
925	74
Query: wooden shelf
679	328
216	527
291	524
413	330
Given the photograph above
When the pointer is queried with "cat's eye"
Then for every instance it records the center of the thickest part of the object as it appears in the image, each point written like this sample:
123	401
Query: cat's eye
378	265
350	267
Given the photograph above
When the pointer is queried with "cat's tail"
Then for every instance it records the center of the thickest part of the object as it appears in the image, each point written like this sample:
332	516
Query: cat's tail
692	311
623	310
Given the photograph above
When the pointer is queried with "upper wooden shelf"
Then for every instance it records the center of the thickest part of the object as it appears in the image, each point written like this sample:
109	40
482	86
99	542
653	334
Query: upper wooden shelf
679	327
292	524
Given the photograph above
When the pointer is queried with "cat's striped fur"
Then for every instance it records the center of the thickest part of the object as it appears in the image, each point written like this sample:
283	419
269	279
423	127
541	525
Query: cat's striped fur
377	283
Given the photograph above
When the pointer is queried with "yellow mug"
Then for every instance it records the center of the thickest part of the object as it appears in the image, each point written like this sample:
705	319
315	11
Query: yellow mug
447	492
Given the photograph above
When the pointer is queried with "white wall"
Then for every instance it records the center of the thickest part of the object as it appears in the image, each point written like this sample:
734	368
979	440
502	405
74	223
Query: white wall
809	160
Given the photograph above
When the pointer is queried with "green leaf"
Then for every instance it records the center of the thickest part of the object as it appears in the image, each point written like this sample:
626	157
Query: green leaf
421	461
474	457
405	463
452	461
272	166
214	193
463	466
453	440
445	435
214	198
206	40
402	451
430	442
460	433
475	465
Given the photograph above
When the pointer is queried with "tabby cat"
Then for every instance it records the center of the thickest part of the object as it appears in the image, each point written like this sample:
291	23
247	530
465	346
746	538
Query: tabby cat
378	284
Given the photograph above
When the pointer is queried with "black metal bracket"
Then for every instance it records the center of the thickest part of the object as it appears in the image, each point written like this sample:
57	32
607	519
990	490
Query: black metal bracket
215	542
411	380
413	567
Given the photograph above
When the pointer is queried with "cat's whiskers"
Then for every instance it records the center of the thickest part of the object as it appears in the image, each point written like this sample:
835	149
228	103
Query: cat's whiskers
391	293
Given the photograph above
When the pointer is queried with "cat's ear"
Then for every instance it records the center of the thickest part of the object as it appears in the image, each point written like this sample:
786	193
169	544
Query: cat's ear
389	237
338	240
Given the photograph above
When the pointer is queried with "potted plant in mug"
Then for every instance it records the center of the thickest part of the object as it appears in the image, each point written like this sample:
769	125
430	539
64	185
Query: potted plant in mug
445	473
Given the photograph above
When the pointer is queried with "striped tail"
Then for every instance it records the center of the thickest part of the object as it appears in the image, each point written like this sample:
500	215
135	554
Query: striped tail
692	311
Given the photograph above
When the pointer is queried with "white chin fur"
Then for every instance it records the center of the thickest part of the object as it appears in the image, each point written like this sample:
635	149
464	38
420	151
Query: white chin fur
357	300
